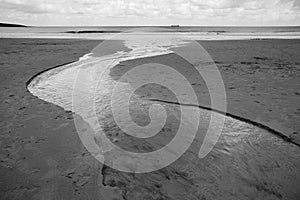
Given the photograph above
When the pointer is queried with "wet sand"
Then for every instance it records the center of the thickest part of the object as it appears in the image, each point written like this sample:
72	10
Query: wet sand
42	156
262	81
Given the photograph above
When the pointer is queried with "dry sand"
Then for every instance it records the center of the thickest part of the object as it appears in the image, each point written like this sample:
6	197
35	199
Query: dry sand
42	156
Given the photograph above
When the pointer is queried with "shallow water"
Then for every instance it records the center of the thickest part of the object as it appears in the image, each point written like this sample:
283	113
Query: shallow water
247	162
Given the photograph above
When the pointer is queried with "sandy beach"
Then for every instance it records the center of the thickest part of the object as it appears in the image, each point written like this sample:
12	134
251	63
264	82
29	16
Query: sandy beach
42	156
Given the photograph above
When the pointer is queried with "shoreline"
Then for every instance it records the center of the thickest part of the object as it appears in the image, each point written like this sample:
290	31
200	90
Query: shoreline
107	37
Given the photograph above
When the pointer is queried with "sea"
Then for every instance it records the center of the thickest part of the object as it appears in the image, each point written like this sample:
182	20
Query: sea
194	32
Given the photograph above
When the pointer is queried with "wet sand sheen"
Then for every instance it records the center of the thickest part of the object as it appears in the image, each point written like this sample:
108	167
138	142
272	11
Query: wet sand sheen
242	163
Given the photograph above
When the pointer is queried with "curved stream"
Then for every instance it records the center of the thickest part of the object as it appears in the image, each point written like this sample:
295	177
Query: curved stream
248	162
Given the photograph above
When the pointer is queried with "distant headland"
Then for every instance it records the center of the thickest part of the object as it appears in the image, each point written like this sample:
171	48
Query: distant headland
11	25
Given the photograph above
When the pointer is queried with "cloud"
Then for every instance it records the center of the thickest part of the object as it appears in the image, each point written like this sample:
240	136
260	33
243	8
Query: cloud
27	6
192	11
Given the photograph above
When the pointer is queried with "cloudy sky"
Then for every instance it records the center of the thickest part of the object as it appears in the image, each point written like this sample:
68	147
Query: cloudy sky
151	12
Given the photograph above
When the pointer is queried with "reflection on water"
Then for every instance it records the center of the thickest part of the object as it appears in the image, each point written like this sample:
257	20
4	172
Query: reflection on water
247	162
